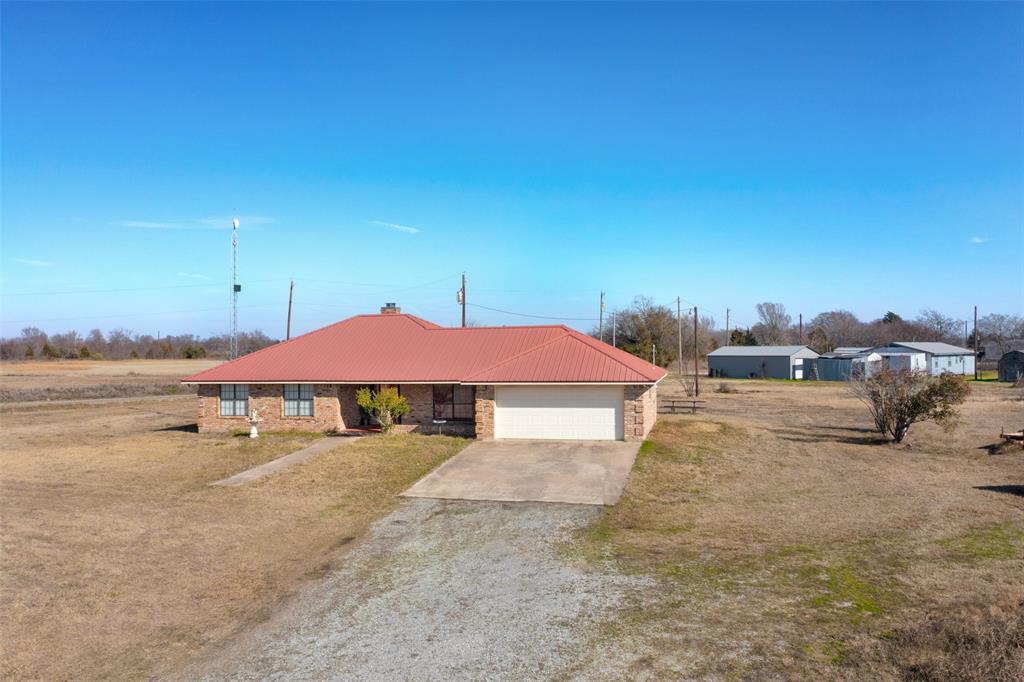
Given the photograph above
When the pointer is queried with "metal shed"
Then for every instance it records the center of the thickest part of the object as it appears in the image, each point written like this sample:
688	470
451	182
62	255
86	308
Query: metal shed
843	366
755	362
1011	366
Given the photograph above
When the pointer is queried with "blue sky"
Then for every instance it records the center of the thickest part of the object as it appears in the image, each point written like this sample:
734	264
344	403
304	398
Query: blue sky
858	156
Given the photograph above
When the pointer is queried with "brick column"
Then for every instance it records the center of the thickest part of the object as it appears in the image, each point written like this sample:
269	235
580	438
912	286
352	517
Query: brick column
485	412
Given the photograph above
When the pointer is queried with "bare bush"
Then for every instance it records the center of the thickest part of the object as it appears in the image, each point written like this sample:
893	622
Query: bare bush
898	399
973	645
725	388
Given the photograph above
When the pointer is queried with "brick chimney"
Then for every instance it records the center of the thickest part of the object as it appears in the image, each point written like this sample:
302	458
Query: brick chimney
390	309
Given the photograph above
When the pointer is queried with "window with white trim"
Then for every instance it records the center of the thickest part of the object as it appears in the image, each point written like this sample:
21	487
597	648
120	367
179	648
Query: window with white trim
234	400
298	400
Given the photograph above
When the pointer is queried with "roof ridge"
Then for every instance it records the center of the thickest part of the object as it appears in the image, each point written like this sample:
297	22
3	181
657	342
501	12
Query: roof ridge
598	346
517	355
270	347
573	335
511	326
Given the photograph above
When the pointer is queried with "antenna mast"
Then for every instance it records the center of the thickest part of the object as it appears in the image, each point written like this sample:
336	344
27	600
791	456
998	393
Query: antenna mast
235	288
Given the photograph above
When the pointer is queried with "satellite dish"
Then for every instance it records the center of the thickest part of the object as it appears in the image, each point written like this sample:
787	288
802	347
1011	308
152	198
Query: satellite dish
234	223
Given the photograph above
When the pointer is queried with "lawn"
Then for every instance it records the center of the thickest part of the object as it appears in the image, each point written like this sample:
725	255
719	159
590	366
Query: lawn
120	561
785	541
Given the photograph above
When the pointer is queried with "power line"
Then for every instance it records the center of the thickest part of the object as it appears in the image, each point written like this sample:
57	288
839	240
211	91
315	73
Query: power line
210	284
539	317
103	317
217	283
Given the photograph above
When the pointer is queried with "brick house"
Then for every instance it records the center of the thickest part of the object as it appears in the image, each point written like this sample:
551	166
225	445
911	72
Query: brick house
548	382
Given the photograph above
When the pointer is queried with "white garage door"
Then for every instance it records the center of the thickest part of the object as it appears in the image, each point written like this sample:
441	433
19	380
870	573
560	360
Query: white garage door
558	412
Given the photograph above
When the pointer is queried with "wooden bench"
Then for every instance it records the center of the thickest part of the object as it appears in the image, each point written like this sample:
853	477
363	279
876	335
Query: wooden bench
1012	436
679	405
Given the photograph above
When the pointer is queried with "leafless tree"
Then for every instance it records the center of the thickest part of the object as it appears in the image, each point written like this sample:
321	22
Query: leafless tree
937	327
774	327
1000	329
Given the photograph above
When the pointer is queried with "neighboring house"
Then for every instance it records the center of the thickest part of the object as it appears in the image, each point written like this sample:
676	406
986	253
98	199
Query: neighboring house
547	382
1011	366
939	357
846	363
752	362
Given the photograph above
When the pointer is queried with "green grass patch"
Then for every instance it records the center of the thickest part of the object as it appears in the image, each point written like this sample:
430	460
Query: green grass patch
993	541
845	589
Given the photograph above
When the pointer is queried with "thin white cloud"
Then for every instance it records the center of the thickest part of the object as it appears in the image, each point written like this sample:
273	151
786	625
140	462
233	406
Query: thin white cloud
977	240
150	225
244	220
208	223
193	275
32	263
395	226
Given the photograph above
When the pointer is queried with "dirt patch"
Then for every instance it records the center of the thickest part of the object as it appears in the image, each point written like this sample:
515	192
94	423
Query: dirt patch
119	560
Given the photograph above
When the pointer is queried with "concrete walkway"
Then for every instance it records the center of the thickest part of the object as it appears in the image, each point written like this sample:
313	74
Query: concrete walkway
573	472
281	463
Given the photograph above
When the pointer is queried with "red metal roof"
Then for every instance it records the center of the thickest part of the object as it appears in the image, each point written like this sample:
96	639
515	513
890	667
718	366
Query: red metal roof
378	349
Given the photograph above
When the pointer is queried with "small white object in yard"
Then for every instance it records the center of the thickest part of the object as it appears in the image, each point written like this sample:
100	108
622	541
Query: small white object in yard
254	419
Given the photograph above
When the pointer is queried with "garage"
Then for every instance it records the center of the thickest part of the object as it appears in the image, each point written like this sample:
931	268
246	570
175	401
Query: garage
558	412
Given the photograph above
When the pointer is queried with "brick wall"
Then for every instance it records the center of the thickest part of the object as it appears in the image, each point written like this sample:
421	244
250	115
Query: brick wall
268	399
640	411
334	407
485	412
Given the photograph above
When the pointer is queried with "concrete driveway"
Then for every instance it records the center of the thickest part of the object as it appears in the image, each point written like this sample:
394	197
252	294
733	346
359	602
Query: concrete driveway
576	472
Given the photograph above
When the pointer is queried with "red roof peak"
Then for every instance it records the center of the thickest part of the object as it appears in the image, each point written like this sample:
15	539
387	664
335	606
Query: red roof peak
399	347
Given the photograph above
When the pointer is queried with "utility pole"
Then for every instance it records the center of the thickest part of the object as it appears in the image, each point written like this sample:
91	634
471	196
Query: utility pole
288	329
613	330
801	328
696	357
679	334
462	299
654	353
235	289
975	343
600	319
727	338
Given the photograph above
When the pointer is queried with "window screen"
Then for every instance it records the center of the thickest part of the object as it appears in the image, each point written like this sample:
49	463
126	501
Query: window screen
298	400
234	400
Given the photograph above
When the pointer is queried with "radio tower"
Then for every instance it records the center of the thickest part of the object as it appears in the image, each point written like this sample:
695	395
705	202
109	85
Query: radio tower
235	288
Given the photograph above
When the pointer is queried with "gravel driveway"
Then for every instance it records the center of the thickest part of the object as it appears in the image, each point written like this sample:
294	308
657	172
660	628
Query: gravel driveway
439	590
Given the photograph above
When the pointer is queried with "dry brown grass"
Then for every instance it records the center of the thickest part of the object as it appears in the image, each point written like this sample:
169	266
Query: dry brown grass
780	531
118	560
965	642
85	379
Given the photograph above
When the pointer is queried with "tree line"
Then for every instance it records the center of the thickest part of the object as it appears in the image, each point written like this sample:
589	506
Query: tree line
651	331
123	344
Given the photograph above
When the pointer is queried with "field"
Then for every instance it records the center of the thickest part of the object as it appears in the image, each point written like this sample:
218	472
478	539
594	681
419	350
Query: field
120	561
782	539
85	379
786	541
